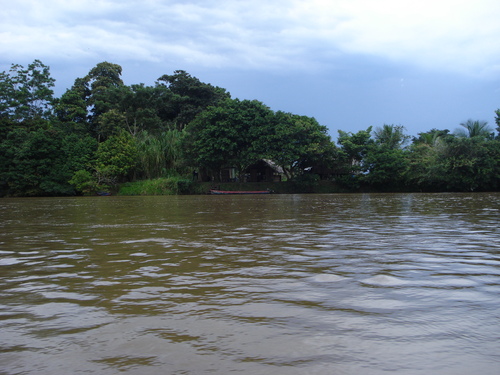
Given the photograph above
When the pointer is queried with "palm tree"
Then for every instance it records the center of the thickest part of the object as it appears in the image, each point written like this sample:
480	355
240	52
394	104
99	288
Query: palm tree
474	129
391	136
431	138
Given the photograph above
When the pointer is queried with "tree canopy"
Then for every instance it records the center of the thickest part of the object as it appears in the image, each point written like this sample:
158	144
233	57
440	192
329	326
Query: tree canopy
101	132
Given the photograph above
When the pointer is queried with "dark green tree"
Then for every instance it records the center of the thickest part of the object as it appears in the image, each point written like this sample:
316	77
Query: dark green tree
385	162
354	147
298	143
384	168
101	79
229	135
34	163
71	109
497	121
470	163
141	107
191	97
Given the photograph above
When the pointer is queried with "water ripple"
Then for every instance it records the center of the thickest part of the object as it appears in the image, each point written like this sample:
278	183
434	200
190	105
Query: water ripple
346	284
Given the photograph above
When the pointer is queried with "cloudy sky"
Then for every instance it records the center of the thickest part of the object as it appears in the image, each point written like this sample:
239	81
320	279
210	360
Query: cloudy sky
349	63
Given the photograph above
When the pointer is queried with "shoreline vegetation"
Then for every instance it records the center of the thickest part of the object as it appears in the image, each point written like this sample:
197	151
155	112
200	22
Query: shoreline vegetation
164	186
183	136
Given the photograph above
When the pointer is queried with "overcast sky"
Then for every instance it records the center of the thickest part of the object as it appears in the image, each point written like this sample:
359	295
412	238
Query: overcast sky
349	63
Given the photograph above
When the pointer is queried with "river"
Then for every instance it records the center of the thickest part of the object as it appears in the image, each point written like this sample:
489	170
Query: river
271	284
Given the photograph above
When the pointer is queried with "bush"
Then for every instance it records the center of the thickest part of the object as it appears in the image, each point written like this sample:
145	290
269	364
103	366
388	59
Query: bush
84	182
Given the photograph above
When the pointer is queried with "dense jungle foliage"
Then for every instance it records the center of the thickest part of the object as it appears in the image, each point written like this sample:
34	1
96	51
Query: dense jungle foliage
102	133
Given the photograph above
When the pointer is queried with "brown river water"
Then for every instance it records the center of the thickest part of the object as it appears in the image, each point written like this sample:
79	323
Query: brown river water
277	284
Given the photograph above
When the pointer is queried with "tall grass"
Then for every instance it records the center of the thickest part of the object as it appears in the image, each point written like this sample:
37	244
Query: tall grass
160	186
159	153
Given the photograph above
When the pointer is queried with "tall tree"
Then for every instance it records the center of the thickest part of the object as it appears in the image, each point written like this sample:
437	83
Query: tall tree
99	81
71	108
191	96
141	107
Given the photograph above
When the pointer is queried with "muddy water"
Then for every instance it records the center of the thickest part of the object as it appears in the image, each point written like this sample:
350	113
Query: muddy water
279	284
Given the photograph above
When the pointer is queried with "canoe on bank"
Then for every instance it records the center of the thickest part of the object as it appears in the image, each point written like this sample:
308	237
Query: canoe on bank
227	192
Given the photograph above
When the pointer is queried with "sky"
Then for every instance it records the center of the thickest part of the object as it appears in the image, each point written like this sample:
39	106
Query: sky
350	64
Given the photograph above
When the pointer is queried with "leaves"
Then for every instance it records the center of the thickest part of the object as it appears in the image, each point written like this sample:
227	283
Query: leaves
26	93
105	132
475	129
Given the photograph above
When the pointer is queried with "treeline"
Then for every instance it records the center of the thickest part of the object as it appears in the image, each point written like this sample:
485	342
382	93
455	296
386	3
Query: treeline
101	133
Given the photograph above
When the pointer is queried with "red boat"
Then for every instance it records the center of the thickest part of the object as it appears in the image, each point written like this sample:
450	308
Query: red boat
227	192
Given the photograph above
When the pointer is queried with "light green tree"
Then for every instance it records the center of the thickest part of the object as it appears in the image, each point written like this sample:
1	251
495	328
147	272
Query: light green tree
116	158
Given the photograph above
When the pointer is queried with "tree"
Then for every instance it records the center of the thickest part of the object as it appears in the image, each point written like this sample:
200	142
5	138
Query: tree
79	152
26	93
385	168
384	164
354	147
391	136
84	182
93	90
116	158
475	129
432	137
455	164
104	76
231	134
298	142
497	121
71	109
110	123
424	171
470	163
34	163
7	95
191	97
141	107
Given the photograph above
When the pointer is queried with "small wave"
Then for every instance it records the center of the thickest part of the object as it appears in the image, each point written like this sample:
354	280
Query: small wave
10	261
327	278
383	280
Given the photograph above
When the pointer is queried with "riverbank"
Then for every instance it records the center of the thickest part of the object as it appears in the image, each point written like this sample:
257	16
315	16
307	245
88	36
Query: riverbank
179	186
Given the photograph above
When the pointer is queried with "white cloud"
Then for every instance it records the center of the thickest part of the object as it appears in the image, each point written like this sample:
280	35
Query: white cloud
458	35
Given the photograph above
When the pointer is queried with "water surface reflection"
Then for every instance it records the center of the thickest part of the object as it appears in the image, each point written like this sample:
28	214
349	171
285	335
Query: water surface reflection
288	284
